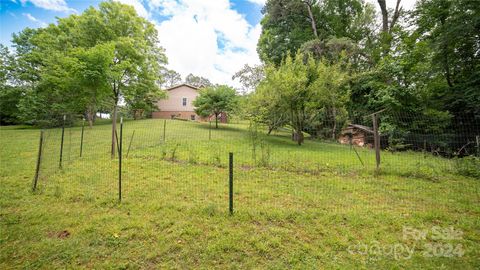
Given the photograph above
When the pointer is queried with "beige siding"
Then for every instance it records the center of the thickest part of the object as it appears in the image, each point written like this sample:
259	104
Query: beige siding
174	100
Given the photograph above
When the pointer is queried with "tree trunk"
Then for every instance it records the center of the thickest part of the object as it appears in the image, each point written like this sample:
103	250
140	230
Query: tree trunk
298	137
90	115
270	129
312	19
396	15
216	120
383	9
446	64
386	27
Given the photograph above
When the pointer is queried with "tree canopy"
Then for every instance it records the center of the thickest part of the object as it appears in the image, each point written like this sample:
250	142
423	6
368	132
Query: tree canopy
87	63
423	63
197	81
215	100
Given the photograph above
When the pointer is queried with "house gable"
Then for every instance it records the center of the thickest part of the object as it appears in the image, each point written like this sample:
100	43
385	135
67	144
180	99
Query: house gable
179	99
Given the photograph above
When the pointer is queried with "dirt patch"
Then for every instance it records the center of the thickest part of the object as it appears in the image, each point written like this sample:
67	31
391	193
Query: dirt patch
246	168
61	235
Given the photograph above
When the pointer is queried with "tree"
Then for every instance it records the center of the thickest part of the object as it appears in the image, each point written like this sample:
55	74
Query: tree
388	23
288	90
135	55
92	78
250	77
450	28
215	100
287	25
264	107
197	81
329	96
171	78
9	94
85	61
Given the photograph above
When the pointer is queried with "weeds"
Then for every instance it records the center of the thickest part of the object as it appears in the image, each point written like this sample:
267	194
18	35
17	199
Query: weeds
468	166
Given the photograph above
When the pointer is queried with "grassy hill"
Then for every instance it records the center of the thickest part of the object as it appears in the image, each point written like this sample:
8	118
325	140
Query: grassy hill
306	207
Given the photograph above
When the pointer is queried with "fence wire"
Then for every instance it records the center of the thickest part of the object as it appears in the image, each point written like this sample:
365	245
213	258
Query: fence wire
184	164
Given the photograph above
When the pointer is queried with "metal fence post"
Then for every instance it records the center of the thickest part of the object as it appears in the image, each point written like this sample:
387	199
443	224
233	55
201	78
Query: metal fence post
39	160
164	127
81	137
120	161
61	145
230	183
376	138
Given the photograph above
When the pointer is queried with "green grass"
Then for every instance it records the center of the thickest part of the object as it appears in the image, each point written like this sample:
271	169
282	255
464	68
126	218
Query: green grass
295	207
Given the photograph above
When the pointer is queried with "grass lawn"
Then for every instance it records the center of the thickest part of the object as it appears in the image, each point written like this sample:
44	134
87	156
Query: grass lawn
304	207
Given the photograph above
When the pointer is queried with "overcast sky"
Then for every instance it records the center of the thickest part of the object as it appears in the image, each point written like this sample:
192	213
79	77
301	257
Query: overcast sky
213	38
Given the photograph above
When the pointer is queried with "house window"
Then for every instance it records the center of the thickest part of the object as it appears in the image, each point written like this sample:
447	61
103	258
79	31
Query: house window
184	101
192	117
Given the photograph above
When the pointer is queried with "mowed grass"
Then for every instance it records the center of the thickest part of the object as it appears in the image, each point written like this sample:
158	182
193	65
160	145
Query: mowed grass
302	207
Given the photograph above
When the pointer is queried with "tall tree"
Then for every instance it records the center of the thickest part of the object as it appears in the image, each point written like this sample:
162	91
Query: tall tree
310	5
451	29
388	23
197	81
104	54
329	97
288	25
9	93
285	27
288	89
171	78
250	77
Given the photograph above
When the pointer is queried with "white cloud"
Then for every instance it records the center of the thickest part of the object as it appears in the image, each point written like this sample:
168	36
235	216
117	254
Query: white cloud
206	38
35	20
258	2
55	5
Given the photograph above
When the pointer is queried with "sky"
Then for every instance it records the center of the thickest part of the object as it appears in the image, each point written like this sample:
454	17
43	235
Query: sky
210	38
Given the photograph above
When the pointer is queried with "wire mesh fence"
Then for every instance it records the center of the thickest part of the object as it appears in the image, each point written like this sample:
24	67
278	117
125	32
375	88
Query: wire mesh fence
184	164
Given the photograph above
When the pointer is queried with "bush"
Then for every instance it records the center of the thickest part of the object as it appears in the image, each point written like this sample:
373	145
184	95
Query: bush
468	166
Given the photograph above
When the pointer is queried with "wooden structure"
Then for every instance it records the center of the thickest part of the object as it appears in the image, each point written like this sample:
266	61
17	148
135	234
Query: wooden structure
358	135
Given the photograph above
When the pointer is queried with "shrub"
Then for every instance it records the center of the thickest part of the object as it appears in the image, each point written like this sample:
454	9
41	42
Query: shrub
468	166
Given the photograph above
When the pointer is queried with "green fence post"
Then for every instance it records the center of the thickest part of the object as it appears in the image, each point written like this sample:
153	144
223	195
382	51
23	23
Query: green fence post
230	183
164	127
120	162
39	160
376	140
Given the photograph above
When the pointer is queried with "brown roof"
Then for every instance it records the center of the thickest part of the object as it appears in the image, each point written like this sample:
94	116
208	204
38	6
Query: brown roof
361	127
183	84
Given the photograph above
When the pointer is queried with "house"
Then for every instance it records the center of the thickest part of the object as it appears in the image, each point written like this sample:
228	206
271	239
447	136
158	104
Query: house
357	135
179	104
